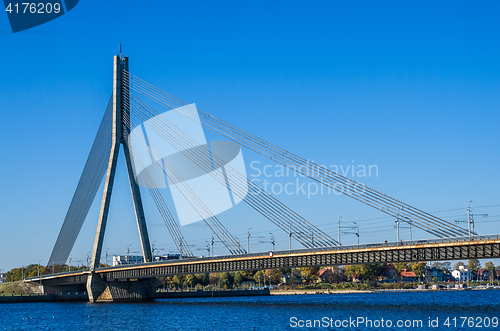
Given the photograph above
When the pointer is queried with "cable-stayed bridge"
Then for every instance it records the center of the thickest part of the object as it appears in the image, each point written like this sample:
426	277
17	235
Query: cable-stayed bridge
167	147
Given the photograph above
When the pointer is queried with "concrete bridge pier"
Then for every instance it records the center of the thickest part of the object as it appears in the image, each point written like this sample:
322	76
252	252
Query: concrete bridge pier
105	290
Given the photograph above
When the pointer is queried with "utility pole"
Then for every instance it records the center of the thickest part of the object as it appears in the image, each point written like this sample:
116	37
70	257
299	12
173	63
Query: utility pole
470	219
107	256
357	231
272	239
409	223
339	230
290	238
248	240
180	249
397	226
153	250
212	243
69	264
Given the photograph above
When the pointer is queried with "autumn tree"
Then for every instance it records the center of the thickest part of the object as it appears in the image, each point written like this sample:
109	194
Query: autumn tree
491	268
310	274
473	264
274	274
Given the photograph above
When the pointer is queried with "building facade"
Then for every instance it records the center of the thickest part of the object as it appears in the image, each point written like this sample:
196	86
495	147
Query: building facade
462	274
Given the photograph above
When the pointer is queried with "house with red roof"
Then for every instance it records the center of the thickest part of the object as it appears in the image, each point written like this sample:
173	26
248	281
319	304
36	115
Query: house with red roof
407	276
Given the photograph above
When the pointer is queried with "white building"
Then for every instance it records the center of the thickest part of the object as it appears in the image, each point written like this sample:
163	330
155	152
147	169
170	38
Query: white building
462	274
2	278
168	257
127	259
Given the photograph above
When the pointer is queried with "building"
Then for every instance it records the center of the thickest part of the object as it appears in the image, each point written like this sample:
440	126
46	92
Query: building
167	257
331	275
482	274
432	273
127	259
390	274
248	281
407	276
462	274
2	278
291	279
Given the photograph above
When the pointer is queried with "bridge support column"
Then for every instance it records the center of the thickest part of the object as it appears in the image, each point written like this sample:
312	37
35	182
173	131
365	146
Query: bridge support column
102	290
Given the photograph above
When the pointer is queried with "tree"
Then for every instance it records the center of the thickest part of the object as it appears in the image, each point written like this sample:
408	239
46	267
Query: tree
202	279
418	268
446	266
400	266
191	280
491	268
258	275
237	277
473	264
310	274
458	265
178	280
274	274
437	265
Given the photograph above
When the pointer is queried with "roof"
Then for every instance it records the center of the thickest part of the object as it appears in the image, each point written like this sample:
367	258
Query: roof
389	266
405	273
322	271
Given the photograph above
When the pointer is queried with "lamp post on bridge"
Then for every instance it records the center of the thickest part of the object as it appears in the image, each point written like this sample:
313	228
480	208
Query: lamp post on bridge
339	229
107	256
272	239
248	241
357	231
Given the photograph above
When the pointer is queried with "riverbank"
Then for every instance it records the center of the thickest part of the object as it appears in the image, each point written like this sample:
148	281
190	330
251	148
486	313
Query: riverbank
19	287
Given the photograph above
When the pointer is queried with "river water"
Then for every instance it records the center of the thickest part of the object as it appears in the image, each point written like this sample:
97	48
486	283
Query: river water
447	310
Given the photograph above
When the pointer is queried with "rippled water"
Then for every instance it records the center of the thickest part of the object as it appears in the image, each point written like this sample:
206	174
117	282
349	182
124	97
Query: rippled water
264	313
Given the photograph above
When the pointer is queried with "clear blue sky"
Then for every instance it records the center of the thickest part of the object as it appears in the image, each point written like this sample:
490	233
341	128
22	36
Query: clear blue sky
412	88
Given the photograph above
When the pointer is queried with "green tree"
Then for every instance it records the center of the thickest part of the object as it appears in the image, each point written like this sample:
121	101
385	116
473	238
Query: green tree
237	277
458	265
258	275
191	280
179	280
202	279
419	268
400	266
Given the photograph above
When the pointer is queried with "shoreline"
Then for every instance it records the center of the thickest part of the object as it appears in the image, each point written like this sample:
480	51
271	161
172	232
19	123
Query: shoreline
315	292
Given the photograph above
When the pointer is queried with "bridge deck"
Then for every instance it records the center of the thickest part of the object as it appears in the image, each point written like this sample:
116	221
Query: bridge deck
485	247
